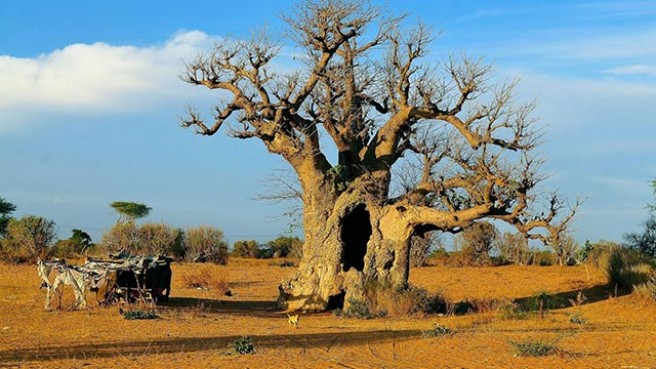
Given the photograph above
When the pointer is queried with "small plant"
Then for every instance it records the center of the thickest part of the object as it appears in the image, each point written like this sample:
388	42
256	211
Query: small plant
243	345
512	311
577	318
140	314
541	302
439	330
357	309
626	269
534	348
648	289
579	300
287	264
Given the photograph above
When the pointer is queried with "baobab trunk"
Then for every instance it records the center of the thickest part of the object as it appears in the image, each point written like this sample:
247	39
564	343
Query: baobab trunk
349	242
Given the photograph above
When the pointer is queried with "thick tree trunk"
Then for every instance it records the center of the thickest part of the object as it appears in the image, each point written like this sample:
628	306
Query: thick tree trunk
349	243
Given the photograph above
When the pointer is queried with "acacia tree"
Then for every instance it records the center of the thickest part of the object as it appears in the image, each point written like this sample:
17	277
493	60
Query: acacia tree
130	211
365	86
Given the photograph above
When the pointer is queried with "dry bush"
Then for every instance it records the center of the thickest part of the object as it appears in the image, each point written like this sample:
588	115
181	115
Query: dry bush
206	278
402	302
421	247
206	244
476	242
158	238
514	248
626	268
647	289
122	236
27	239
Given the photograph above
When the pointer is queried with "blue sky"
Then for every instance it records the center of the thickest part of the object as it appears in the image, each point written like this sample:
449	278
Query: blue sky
90	97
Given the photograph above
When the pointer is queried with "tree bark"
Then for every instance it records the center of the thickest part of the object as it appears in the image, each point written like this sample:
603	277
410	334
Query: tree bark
351	240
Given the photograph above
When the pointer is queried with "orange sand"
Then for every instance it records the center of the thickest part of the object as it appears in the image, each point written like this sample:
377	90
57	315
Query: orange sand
197	328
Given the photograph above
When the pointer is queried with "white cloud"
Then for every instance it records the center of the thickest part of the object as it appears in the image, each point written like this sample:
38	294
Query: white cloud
609	46
565	102
634	69
95	78
622	185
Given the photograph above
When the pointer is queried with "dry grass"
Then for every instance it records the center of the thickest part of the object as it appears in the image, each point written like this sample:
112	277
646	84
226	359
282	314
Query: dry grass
206	277
198	328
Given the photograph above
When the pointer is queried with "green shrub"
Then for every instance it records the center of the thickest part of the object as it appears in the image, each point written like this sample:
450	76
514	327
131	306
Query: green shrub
284	246
542	302
287	264
534	348
577	318
357	309
140	314
626	268
439	330
246	249
243	345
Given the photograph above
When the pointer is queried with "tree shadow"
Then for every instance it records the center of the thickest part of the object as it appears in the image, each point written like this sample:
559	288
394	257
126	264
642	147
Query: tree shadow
565	299
193	344
254	307
560	300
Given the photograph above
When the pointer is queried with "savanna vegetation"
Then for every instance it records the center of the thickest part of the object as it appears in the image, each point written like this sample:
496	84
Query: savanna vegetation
426	236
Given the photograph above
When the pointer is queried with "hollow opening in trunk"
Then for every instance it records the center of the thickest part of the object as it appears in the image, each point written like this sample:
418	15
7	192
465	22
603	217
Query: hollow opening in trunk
356	231
336	301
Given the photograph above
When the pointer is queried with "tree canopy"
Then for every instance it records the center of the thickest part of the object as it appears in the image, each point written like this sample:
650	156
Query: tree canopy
386	143
130	211
6	208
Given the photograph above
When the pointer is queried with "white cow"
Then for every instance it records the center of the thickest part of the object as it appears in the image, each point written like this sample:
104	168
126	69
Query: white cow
64	274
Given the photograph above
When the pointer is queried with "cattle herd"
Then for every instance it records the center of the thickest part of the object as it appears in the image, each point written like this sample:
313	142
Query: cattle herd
120	277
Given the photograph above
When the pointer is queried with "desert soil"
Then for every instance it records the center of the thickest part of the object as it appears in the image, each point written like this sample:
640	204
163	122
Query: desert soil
196	328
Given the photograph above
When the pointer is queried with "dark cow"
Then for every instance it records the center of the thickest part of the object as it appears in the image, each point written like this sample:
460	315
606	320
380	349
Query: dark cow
158	278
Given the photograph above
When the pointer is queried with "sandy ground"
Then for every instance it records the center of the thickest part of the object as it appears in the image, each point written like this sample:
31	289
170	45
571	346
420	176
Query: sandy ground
197	328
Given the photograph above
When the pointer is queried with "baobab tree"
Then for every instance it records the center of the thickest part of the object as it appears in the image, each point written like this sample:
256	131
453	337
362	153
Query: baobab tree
367	90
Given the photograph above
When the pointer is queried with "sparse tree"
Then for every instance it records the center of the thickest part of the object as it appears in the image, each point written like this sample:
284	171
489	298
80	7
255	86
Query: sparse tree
122	237
421	247
158	238
514	248
285	245
366	85
477	241
566	249
206	244
28	239
645	241
6	208
79	243
130	211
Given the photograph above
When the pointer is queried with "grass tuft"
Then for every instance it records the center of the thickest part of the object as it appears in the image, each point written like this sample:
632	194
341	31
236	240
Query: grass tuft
439	330
206	279
534	348
243	345
140	314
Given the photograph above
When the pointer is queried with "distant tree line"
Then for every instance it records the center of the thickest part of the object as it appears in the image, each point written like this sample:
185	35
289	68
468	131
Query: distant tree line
281	247
31	237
